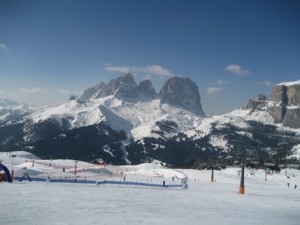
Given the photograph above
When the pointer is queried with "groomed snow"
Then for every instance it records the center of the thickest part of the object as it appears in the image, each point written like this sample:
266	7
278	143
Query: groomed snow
269	202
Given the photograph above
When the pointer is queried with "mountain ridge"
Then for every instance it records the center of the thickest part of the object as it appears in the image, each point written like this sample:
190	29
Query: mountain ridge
137	125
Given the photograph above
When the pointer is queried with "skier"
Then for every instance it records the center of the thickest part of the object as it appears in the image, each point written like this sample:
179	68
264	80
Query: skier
288	184
295	186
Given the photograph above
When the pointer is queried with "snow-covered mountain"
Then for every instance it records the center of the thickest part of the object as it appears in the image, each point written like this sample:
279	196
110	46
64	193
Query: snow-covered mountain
124	122
124	105
11	112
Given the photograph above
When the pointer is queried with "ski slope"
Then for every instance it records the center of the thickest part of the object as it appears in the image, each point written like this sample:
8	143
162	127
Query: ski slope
204	202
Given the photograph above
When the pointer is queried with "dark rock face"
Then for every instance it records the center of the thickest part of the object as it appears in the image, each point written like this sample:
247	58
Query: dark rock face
123	86
292	118
288	95
182	92
284	104
287	111
145	87
258	103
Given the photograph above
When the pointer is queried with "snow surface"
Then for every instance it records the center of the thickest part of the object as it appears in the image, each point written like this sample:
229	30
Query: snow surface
289	83
265	202
296	152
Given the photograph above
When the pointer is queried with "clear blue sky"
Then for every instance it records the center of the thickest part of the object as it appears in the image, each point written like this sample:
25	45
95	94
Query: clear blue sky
232	49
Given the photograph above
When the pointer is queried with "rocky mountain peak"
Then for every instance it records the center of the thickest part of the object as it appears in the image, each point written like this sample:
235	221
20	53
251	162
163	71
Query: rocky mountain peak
283	106
73	97
123	86
257	103
182	92
146	88
92	92
261	97
287	109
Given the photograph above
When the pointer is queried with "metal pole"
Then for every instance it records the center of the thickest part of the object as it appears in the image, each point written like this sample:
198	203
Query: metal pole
285	165
242	185
212	175
265	175
75	167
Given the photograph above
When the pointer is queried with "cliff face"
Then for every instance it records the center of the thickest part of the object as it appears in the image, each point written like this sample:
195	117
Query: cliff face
182	92
287	109
145	87
288	93
258	103
284	104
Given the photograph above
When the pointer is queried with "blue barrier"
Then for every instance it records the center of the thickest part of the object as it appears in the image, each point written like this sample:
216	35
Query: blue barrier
73	181
103	182
25	176
32	179
139	184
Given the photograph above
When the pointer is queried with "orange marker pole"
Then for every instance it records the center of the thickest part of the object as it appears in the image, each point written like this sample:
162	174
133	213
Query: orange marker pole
242	185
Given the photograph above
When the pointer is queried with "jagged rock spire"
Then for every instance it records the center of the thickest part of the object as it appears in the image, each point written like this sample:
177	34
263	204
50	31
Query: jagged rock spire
182	92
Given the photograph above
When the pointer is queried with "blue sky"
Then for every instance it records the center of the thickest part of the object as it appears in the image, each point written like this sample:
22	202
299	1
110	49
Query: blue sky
231	49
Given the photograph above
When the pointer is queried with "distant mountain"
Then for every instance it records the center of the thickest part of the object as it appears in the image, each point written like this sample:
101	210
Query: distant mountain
125	122
11	112
283	106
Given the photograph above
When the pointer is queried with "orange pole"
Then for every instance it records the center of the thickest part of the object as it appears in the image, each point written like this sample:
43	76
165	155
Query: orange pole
242	184
242	190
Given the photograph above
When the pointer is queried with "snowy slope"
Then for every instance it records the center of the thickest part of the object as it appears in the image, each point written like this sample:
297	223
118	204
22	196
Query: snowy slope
238	118
268	202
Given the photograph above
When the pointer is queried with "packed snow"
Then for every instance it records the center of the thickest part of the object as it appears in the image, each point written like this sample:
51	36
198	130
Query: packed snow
268	198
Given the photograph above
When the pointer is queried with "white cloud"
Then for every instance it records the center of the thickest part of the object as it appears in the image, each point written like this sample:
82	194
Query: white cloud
266	83
3	46
34	90
237	70
119	69
220	82
153	69
63	91
215	90
157	70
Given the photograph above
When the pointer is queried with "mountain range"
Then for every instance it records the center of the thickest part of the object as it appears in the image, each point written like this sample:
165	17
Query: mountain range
123	122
